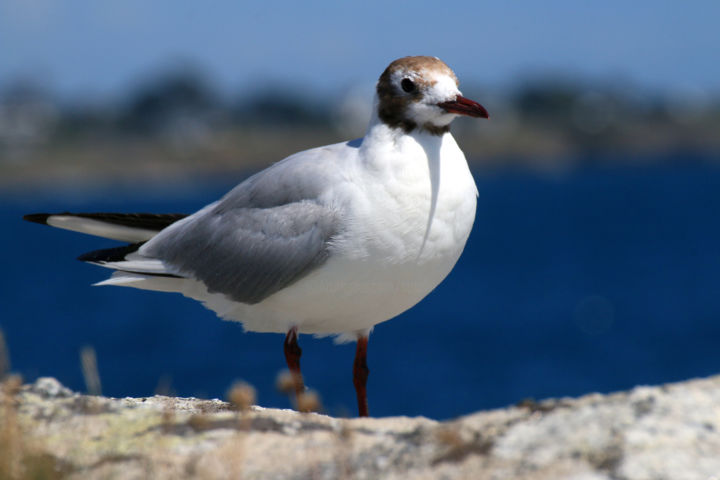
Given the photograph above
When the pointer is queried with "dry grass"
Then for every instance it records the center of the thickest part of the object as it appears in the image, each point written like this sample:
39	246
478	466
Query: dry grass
307	401
4	356
24	456
344	448
21	455
88	359
242	396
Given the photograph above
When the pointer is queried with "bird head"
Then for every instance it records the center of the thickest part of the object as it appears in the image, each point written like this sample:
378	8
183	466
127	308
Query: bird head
422	93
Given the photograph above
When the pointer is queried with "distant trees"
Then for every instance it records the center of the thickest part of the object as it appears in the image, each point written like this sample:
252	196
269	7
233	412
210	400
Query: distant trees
183	106
170	102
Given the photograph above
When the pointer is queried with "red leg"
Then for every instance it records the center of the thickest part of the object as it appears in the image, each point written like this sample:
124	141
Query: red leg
292	357
360	375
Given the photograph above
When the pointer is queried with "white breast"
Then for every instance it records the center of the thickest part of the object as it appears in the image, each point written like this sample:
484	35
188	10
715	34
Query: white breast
419	203
409	208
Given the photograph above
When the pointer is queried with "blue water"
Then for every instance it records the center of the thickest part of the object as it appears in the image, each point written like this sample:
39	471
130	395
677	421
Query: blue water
597	279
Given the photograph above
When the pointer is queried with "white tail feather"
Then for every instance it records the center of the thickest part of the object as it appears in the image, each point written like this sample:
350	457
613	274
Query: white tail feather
101	229
138	264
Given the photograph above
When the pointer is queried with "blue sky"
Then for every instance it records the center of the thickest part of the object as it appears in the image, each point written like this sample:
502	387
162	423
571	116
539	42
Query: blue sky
91	48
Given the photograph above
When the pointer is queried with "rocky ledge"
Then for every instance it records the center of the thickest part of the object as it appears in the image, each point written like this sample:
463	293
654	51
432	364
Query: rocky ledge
665	432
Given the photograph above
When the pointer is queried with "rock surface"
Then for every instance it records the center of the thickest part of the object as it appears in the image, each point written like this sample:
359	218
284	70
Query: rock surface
666	432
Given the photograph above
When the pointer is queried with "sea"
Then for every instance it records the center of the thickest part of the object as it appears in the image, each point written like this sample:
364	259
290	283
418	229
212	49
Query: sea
594	278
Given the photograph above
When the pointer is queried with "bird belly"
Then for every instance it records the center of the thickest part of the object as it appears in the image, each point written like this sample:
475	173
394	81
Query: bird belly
331	300
371	276
408	243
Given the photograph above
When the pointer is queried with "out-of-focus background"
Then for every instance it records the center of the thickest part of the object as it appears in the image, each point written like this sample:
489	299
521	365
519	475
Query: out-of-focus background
594	264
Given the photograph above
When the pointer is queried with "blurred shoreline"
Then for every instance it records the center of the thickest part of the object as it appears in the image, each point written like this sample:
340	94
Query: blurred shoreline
176	126
236	153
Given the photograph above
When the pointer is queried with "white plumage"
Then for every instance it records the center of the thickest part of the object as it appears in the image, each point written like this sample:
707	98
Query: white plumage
407	203
332	240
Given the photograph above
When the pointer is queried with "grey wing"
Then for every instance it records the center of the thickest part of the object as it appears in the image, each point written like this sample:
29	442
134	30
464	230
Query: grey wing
245	252
266	233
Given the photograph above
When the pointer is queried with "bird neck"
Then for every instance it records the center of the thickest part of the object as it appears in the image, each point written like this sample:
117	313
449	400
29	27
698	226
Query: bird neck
396	118
385	147
380	132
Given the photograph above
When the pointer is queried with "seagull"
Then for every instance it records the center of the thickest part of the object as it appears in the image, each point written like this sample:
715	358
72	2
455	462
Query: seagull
328	241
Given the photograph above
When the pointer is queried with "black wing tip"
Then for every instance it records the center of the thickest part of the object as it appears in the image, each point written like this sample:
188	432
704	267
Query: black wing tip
116	254
150	221
40	218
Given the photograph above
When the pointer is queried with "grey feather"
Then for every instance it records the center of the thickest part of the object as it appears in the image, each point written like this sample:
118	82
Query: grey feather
264	235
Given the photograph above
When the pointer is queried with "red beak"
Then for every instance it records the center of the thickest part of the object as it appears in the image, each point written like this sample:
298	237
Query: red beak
465	106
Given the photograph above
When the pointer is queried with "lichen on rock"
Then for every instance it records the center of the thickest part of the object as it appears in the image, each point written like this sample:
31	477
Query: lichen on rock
667	432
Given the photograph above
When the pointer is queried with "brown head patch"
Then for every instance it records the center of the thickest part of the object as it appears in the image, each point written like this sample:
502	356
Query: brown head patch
393	102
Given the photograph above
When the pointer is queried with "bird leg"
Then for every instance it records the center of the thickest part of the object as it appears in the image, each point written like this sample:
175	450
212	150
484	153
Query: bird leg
292	357
360	375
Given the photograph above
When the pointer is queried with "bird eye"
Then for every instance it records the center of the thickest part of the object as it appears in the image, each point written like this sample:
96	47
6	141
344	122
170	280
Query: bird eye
407	85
